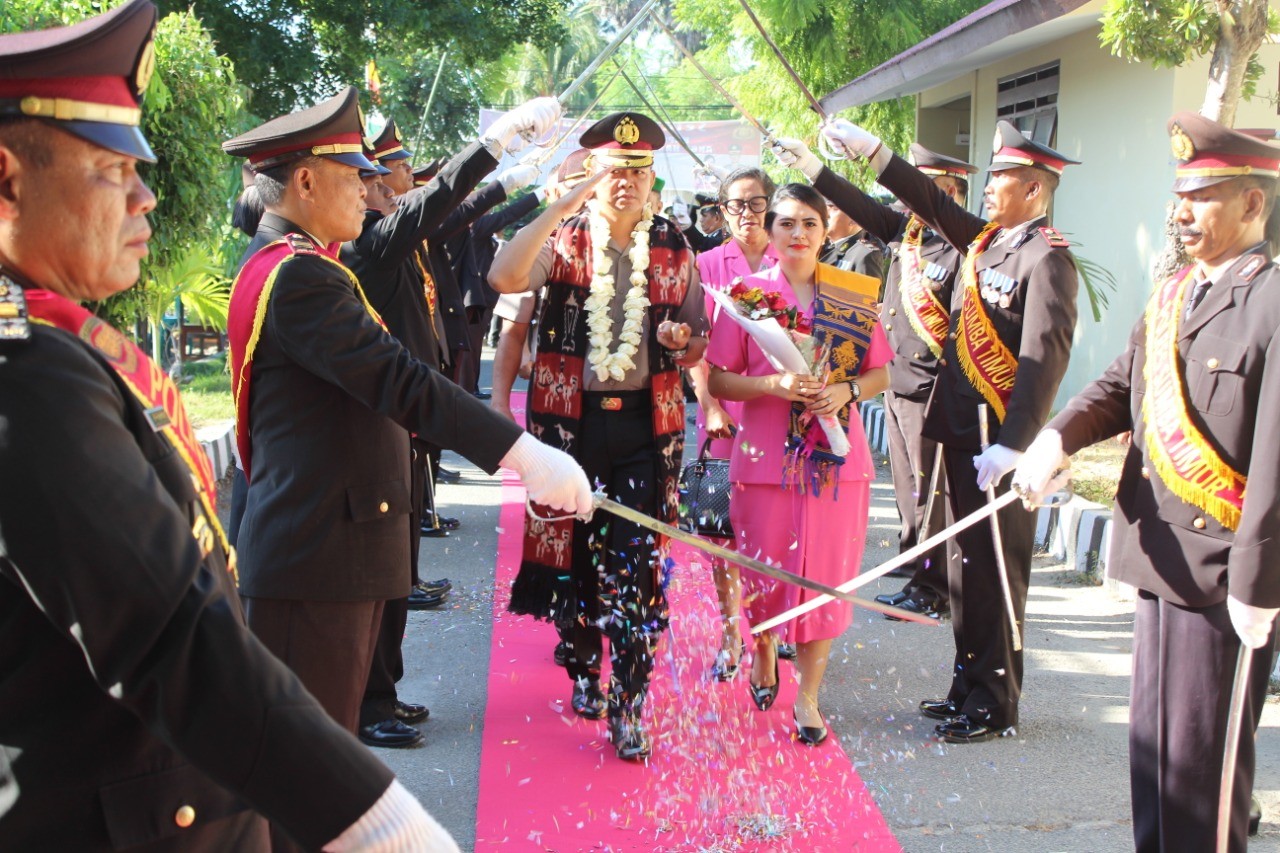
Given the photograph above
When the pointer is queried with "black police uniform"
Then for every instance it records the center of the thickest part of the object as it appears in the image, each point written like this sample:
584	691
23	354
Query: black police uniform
1035	319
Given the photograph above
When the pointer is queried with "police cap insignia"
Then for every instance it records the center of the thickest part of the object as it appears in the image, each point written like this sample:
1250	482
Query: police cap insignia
626	132
1179	143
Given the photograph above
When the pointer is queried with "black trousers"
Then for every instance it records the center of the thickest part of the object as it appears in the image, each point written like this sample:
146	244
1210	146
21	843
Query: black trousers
613	566
387	666
987	680
1184	662
469	360
911	458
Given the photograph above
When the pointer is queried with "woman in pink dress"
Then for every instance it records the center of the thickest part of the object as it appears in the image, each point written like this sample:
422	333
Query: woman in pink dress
744	198
818	536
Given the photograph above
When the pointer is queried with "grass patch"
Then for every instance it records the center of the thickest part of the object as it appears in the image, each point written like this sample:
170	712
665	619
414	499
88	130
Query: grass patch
206	391
1096	470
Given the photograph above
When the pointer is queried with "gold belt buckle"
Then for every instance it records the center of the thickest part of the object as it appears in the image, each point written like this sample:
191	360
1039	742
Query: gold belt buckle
611	404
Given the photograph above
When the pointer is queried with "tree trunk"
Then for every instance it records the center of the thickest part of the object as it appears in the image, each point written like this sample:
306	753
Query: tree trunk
1242	27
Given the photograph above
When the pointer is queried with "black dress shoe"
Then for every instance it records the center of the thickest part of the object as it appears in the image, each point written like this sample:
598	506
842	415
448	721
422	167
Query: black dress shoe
1255	816
431	520
439	587
444	475
809	735
787	651
893	599
764	697
409	712
924	605
588	700
419	600
429	532
942	709
630	740
391	734
964	730
483	395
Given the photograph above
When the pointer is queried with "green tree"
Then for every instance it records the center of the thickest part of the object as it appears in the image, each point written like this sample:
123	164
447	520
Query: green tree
1169	33
827	43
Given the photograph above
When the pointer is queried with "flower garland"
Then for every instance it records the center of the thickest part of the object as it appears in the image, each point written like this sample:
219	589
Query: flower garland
614	365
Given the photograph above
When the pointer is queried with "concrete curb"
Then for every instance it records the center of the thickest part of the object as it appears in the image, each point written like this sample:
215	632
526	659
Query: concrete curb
1079	532
872	413
218	441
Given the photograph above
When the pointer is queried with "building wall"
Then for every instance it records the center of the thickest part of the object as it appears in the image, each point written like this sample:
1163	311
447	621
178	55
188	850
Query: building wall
1112	116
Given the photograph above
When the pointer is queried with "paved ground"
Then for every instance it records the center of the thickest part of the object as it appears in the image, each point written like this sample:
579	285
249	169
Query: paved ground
1060	785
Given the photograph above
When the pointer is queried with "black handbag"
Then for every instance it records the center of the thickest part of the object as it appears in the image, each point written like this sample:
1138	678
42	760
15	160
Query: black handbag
704	496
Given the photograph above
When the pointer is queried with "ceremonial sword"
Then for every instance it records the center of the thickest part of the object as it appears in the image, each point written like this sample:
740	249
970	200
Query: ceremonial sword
902	559
984	431
823	143
637	517
666	123
610	49
1235	722
715	84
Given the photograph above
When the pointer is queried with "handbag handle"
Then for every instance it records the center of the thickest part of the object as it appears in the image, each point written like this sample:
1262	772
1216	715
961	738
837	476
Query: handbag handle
705	452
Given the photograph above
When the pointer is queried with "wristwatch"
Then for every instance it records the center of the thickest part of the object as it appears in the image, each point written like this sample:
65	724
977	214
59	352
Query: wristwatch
678	354
855	389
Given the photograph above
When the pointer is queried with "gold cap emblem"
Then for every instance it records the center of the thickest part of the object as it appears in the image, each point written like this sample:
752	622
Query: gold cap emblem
1180	144
146	66
396	130
625	132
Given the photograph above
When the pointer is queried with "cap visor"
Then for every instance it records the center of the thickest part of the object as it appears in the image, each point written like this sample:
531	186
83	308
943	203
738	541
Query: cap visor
402	154
357	160
120	138
1186	185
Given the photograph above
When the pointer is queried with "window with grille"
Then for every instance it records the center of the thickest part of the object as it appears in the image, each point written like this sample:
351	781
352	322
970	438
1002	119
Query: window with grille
1029	101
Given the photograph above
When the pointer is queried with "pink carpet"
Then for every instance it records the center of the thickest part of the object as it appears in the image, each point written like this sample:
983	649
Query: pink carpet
723	776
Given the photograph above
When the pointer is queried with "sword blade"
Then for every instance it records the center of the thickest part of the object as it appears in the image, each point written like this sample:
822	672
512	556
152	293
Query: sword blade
715	84
997	540
659	117
889	565
637	517
804	90
1235	721
609	50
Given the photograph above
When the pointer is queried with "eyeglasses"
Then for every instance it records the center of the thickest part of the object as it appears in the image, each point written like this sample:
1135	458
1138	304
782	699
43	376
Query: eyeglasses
756	204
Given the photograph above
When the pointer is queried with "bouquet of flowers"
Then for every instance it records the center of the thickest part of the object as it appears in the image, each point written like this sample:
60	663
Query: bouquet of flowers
786	338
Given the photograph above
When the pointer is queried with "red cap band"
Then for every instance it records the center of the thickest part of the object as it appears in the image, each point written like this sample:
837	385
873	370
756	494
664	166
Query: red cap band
111	90
1021	155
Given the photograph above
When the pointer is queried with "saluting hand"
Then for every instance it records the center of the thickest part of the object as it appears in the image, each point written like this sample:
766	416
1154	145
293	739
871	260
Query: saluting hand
571	203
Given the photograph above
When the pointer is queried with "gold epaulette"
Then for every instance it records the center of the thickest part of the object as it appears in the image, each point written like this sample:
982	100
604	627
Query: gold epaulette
14	323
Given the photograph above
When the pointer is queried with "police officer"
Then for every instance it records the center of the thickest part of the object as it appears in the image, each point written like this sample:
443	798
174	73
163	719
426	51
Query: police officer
853	247
915	315
1008	346
326	400
1198	384
621	310
137	711
382	259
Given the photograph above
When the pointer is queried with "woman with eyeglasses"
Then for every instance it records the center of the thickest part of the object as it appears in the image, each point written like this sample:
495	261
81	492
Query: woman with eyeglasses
794	506
744	199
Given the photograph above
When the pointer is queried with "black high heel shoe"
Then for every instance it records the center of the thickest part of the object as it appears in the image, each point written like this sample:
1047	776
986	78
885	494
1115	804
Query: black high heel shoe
722	669
809	735
764	696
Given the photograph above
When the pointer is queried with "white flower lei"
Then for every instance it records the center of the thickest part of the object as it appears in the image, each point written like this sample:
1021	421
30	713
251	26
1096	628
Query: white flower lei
599	303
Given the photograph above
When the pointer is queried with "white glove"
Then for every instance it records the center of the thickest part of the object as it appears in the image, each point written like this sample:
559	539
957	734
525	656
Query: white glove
680	213
847	134
532	120
396	823
517	177
794	154
993	463
1252	624
1043	469
551	477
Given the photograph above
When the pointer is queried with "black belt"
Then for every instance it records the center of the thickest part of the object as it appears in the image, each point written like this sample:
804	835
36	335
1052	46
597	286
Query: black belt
618	401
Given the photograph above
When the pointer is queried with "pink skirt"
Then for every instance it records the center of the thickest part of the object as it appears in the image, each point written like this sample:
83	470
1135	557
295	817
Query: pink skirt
821	538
